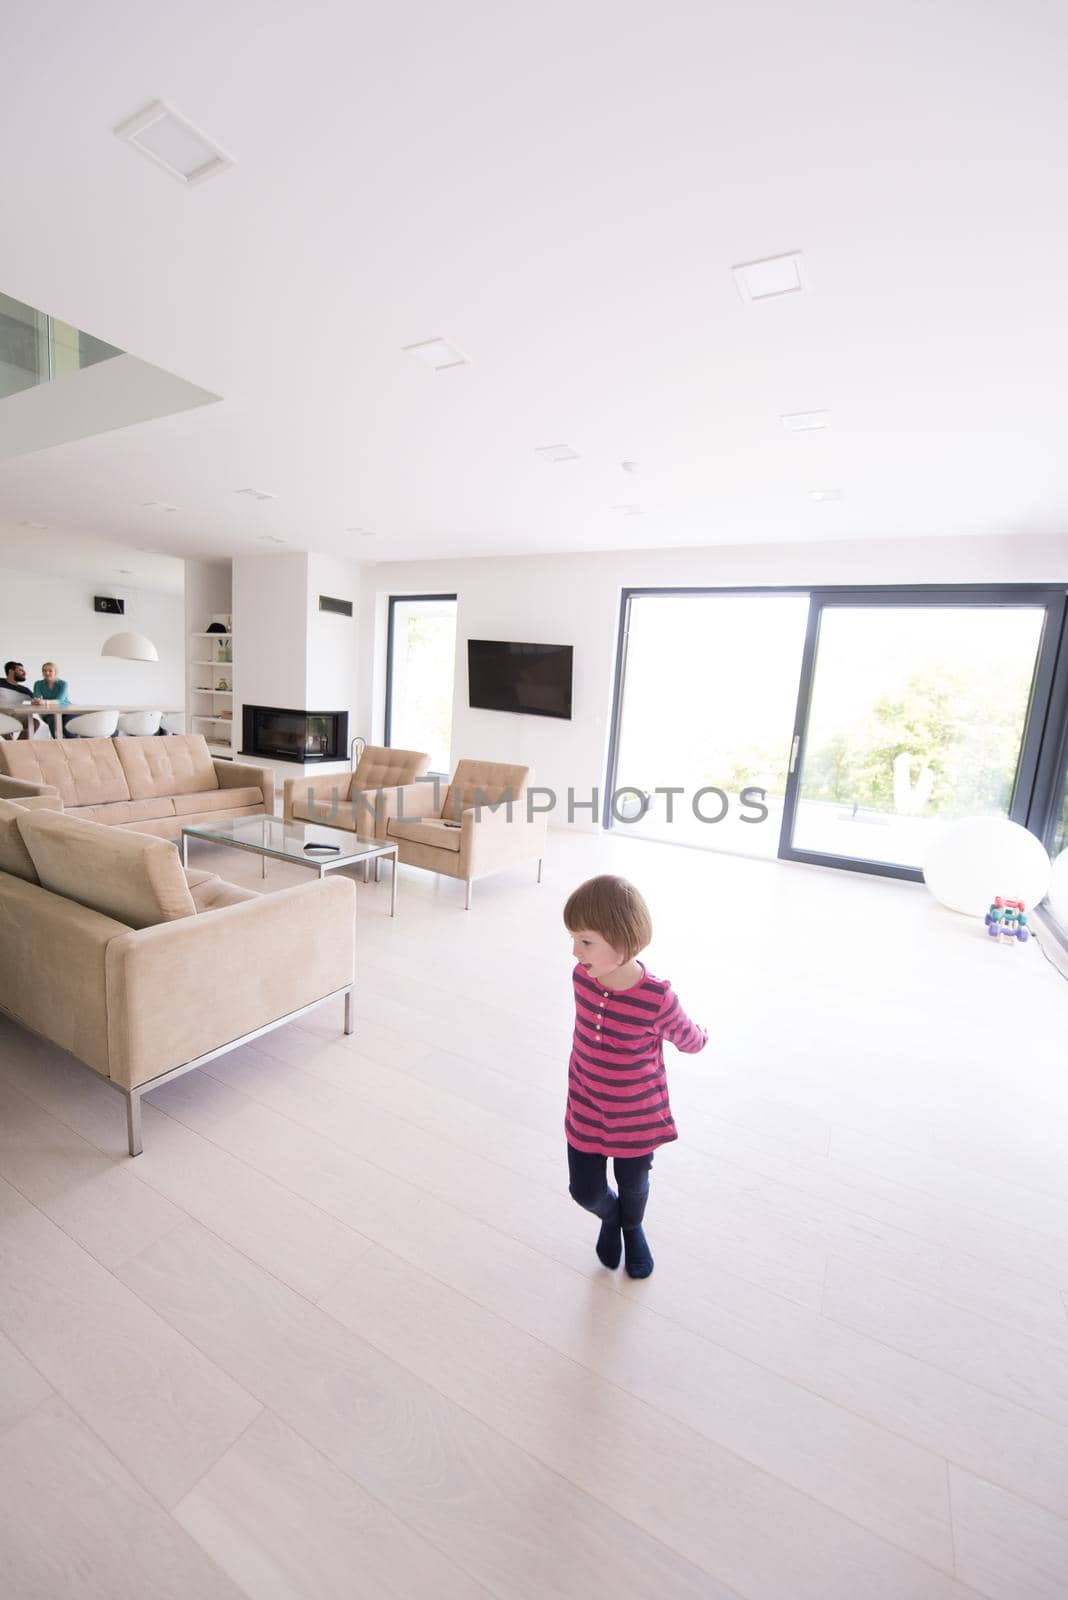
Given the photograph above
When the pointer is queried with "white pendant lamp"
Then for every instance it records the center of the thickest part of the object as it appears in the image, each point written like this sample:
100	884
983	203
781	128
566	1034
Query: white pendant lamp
131	647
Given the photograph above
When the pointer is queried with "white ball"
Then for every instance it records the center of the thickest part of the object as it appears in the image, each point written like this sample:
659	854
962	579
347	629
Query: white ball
981	857
1058	889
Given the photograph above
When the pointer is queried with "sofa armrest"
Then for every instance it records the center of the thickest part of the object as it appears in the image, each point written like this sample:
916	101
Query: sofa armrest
236	775
491	839
21	790
412	801
326	789
181	989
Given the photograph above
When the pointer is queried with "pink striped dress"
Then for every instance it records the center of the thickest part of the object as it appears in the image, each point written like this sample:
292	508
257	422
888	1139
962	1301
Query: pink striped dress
617	1098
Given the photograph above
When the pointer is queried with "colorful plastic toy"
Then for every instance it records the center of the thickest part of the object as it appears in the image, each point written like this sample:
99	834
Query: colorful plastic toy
1006	920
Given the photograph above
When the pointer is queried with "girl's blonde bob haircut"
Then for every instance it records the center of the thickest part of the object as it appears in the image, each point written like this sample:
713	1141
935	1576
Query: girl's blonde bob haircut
613	908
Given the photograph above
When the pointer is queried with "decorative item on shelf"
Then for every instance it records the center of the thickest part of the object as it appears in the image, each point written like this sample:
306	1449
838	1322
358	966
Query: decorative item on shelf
1007	920
223	683
225	649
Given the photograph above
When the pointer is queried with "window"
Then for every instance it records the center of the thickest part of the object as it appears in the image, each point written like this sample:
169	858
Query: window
420	671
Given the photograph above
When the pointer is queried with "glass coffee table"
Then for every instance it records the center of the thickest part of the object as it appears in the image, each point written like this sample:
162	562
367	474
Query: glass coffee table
303	842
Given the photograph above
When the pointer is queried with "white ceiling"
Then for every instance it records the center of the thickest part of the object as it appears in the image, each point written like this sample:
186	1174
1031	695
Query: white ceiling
561	190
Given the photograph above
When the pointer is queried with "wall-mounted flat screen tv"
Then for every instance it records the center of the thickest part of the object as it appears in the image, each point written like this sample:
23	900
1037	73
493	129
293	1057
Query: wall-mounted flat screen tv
533	678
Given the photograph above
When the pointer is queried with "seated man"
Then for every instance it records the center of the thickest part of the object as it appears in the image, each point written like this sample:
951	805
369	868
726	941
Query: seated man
14	690
15	678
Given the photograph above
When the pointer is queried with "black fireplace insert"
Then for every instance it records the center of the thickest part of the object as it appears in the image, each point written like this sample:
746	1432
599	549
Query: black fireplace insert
294	735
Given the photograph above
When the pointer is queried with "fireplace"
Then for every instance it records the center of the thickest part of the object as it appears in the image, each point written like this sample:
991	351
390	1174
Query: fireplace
295	735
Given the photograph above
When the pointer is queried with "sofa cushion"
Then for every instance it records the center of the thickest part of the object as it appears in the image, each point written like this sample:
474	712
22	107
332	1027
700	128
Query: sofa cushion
482	782
87	772
209	891
128	876
216	800
14	856
433	832
155	767
122	811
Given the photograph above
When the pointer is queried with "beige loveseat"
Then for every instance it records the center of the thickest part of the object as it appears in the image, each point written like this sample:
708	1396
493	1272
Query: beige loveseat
483	825
152	785
352	802
142	970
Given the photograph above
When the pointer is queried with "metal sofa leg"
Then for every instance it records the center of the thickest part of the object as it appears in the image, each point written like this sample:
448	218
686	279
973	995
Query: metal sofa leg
467	902
133	1121
539	869
349	1027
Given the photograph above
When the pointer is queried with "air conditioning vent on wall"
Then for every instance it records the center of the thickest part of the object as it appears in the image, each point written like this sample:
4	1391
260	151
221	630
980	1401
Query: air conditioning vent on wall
341	608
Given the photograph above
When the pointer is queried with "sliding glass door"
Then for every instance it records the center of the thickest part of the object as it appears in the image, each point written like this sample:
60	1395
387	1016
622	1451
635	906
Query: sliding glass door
841	727
915	710
708	695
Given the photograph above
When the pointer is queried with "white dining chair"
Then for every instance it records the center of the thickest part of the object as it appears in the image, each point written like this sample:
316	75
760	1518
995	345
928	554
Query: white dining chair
40	729
91	725
139	723
173	722
10	727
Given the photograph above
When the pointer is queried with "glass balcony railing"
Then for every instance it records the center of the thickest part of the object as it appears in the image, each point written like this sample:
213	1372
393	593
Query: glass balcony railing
34	347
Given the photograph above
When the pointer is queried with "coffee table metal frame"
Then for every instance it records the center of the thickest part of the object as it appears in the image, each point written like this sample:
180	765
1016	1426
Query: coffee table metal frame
374	850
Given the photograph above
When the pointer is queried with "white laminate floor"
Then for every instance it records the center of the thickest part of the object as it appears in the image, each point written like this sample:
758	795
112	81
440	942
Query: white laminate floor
340	1332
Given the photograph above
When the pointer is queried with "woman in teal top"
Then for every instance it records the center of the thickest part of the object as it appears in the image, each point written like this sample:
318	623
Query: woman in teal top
49	687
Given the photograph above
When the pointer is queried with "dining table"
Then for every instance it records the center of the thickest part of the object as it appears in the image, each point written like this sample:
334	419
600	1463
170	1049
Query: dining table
53	709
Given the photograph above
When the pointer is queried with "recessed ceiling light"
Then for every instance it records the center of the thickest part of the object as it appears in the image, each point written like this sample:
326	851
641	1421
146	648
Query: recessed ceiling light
776	275
257	494
39	527
629	466
805	421
825	494
436	353
628	510
124	572
556	452
269	538
158	505
173	144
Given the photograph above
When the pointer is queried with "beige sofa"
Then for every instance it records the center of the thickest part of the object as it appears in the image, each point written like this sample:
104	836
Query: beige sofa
144	971
482	825
352	802
151	785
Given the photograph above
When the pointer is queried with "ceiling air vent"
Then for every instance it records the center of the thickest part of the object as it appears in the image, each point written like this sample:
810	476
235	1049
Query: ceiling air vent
340	608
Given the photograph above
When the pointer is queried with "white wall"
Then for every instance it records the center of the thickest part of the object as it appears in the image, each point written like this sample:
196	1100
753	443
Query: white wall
270	631
47	618
576	600
333	658
286	651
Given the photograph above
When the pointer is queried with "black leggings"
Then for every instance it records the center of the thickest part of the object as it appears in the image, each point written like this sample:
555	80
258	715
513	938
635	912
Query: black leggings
589	1185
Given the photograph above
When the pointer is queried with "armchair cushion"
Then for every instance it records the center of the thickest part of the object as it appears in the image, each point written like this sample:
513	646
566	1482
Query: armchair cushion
382	767
482	783
433	832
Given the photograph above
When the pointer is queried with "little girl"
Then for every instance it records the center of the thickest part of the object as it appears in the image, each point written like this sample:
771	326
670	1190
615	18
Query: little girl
617	1099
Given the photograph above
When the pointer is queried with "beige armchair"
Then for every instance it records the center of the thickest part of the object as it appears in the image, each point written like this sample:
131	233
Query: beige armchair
482	825
339	800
